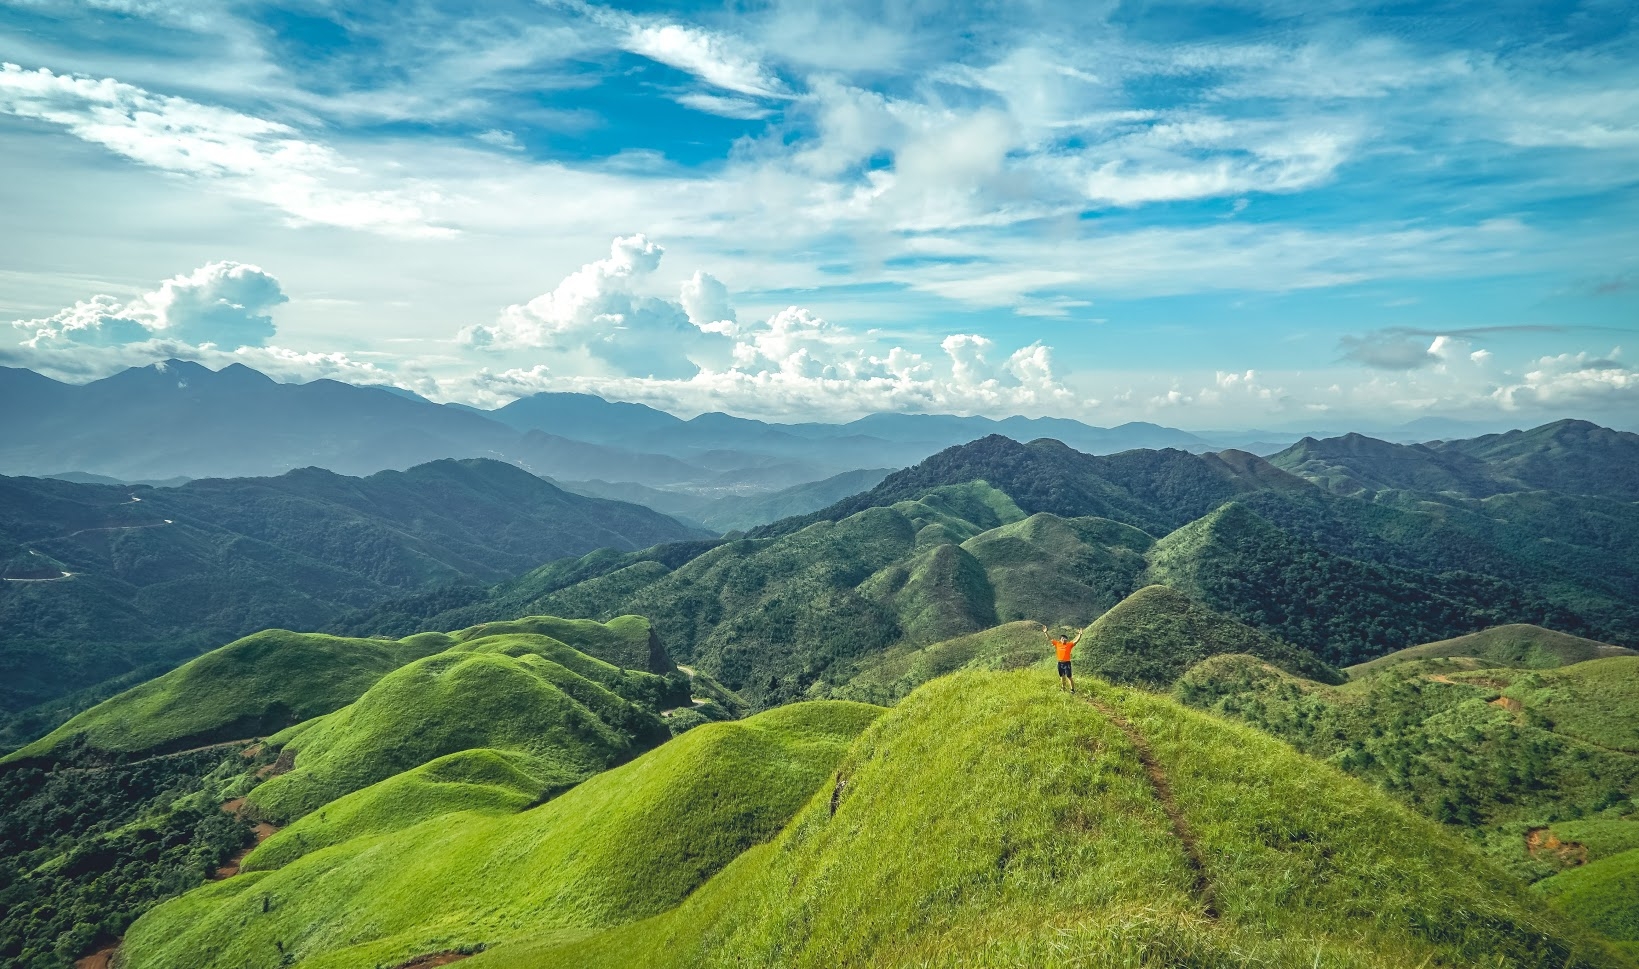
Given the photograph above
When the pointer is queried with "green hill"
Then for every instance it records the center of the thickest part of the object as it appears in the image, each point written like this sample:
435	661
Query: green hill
483	780
787	617
989	821
501	687
159	575
629	843
1573	457
888	676
1342	609
1601	895
1513	645
1496	752
249	688
1155	635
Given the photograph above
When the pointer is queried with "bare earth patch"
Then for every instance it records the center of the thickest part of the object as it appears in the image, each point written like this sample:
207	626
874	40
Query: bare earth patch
1542	843
434	959
262	829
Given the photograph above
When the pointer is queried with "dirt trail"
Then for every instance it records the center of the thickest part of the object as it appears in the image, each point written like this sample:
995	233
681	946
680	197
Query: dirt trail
101	959
263	830
1540	842
1163	792
434	959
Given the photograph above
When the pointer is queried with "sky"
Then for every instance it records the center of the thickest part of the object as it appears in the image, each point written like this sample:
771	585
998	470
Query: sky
1266	213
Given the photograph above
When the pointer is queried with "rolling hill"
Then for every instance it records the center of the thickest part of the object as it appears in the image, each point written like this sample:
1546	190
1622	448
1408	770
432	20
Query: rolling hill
159	575
1135	831
1530	647
1155	635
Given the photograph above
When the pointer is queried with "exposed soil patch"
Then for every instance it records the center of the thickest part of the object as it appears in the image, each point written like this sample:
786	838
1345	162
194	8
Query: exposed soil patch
434	959
101	959
1163	792
1542	843
1508	703
262	829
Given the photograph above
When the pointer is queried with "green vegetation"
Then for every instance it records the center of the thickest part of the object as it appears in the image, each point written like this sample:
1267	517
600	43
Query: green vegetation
486	781
1155	635
1520	645
988	820
1497	752
1342	609
888	676
523	692
86	847
629	843
245	689
182	570
1601	895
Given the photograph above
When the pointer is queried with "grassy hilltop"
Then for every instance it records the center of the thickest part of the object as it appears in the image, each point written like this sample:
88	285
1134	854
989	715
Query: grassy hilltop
985	820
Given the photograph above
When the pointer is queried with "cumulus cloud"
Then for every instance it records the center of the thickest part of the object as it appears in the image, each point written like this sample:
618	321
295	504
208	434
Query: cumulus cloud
250	157
598	310
793	364
225	304
1573	380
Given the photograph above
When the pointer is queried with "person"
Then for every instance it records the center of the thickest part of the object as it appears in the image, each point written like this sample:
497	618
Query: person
1063	647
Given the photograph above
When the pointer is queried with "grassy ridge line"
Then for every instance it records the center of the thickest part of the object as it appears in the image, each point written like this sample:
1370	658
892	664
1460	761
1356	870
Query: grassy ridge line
571	714
623	845
1516	644
988	820
250	687
482	780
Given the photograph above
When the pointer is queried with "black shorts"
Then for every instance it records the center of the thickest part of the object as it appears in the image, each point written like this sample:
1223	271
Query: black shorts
1064	667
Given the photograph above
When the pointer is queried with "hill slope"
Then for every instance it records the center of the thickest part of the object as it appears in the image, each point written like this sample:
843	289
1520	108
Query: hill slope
628	843
988	820
524	693
1520	645
160	574
1156	634
781	618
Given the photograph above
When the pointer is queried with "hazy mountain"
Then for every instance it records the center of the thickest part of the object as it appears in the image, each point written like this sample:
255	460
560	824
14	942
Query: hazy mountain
734	512
181	419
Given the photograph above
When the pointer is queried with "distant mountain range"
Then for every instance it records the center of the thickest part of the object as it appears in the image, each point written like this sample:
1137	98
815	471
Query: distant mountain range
177	420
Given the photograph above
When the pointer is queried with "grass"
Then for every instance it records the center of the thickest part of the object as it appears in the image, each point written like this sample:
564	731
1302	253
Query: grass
1154	635
989	820
1492	751
247	688
1601	895
484	781
516	691
628	843
887	677
1517	644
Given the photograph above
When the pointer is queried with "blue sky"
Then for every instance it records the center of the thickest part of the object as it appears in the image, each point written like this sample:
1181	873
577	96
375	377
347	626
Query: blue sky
1319	214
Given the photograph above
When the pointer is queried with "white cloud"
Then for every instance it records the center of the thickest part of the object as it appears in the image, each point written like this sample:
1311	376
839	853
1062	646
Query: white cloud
246	156
717	59
500	138
743	109
598	310
225	304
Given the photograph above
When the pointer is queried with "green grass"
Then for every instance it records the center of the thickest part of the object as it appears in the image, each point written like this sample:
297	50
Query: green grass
247	688
626	844
1520	645
485	781
1604	895
1156	634
571	714
1432	734
989	820
1060	570
624	641
887	677
1596	701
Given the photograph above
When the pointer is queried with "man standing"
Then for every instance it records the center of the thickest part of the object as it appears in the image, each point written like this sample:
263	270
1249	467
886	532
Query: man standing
1063	647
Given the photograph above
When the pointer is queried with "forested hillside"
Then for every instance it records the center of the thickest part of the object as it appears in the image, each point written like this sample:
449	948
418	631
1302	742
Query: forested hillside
103	581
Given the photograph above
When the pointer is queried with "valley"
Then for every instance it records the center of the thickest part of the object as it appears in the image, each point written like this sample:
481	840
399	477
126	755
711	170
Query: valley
1318	711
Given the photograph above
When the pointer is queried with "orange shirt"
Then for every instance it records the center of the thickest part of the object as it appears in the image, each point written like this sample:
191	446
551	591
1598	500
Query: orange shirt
1064	646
